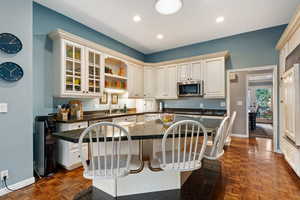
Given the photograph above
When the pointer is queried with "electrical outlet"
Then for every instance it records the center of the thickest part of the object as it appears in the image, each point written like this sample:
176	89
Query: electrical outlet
3	174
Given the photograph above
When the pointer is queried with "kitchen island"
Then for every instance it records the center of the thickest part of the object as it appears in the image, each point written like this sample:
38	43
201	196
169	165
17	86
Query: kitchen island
148	137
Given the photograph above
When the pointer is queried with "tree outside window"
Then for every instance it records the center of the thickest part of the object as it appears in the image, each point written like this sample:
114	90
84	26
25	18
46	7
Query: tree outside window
264	102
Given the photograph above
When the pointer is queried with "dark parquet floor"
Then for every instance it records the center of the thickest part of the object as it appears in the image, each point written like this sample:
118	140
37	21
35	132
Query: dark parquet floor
250	170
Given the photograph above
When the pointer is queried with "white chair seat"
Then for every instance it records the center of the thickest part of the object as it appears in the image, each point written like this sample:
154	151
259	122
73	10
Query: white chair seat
157	162
134	165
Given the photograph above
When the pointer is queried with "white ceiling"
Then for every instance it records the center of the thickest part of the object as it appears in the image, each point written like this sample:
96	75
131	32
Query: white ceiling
194	23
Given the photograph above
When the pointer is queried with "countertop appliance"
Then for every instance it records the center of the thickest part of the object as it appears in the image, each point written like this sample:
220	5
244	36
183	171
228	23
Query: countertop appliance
161	106
44	146
190	89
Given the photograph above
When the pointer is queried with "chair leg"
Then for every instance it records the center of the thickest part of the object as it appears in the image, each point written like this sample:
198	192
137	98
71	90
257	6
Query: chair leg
116	190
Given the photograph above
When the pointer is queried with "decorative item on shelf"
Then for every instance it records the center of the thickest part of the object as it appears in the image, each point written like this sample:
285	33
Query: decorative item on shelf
114	98
104	98
11	72
122	71
10	43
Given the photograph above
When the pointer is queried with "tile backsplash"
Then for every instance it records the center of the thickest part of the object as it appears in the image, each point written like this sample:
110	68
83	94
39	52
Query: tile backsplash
197	103
94	104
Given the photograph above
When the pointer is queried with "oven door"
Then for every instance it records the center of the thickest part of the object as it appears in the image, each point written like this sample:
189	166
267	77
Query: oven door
189	89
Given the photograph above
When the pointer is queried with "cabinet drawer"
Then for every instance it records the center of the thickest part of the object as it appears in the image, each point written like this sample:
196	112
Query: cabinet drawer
75	146
72	126
78	125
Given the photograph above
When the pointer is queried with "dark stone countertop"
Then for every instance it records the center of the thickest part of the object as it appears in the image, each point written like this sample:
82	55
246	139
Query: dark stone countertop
138	131
101	115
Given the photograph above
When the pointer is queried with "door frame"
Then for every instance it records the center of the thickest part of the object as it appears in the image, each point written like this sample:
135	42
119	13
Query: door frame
274	68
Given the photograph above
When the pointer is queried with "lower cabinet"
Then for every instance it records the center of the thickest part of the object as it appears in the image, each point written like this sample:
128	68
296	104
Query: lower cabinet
151	117
125	119
68	153
291	154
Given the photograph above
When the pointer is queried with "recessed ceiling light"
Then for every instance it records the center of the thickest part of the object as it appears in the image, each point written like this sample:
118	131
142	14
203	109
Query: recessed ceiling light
168	7
160	36
220	19
137	18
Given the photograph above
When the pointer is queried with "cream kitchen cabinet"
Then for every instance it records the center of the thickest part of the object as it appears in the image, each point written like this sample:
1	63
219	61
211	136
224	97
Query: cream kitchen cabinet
76	70
68	154
214	78
167	82
189	72
135	81
149	82
294	41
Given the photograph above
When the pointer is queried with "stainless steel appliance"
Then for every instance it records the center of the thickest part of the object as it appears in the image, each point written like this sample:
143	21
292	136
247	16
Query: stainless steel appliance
44	146
161	106
190	89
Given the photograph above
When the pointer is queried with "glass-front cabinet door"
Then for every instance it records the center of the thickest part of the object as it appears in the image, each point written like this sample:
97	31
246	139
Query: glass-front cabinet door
93	72
74	68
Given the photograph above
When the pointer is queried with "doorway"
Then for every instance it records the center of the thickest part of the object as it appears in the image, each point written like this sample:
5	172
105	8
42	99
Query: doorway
252	92
260	105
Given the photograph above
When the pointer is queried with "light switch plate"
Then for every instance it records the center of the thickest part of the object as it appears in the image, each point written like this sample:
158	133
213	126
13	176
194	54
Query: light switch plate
201	105
3	107
223	104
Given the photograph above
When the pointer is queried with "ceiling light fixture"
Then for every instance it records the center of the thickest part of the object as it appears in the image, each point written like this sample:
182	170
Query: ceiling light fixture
220	19
137	18
160	36
168	7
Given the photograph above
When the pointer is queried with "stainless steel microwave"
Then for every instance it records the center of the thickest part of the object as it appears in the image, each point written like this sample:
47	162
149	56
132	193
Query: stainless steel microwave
190	89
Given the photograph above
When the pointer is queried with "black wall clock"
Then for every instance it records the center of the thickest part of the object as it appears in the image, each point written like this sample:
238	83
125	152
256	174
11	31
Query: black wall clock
10	71
10	43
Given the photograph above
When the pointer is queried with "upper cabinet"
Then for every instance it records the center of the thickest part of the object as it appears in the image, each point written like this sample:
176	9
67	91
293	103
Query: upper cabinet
85	69
167	82
210	71
93	71
214	78
135	81
149	82
76	70
189	72
73	70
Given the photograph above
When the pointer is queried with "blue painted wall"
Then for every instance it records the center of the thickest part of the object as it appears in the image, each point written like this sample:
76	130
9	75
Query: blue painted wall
250	49
45	21
246	50
16	150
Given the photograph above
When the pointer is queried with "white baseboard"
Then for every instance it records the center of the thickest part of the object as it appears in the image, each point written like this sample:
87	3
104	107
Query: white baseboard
239	135
17	186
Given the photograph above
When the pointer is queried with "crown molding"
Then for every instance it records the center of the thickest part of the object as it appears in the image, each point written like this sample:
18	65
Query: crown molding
290	30
61	34
189	59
